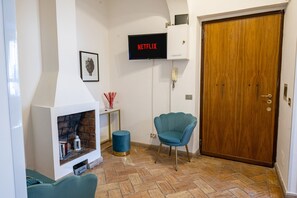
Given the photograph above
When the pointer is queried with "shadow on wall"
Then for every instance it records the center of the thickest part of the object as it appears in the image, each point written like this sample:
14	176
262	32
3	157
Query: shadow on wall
164	74
134	10
95	9
127	67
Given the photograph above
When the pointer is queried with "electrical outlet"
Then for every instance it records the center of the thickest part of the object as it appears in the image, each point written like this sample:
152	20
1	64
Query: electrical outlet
153	135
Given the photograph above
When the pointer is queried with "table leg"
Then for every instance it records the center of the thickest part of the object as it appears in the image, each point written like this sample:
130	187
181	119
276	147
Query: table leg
119	119
109	130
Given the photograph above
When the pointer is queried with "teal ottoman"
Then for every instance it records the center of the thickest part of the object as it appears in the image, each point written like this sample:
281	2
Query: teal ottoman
121	143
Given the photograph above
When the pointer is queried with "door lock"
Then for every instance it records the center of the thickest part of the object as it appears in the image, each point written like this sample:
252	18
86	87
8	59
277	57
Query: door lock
267	96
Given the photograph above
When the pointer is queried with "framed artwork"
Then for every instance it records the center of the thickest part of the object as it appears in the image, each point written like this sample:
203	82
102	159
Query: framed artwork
89	66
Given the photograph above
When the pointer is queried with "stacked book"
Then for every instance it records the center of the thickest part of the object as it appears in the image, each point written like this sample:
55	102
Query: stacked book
65	149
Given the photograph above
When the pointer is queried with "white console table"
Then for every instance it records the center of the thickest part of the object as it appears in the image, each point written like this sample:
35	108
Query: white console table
108	112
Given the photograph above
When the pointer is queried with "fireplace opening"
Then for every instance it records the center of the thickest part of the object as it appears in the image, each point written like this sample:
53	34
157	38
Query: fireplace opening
73	127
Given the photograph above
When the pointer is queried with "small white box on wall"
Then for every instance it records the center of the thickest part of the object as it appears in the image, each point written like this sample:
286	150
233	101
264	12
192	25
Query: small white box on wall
178	42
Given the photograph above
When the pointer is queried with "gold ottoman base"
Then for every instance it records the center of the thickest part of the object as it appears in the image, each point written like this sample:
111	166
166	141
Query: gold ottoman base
121	154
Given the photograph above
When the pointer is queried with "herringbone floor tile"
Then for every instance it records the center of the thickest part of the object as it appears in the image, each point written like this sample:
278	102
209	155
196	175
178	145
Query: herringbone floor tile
138	176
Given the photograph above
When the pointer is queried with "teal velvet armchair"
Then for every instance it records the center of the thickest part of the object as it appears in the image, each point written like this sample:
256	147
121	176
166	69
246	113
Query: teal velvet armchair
40	186
175	129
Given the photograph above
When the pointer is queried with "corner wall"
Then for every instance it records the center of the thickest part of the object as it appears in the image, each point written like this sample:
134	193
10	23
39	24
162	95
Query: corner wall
285	132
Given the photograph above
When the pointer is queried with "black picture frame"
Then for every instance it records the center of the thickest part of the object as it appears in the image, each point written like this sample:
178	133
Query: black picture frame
89	66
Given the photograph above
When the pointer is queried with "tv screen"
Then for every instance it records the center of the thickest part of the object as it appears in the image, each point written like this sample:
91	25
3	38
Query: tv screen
147	46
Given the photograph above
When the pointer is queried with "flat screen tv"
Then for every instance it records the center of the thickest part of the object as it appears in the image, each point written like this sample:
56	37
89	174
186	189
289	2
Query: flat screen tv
147	46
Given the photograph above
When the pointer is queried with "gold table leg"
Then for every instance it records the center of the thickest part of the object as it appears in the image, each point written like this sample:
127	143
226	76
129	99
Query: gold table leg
109	130
119	119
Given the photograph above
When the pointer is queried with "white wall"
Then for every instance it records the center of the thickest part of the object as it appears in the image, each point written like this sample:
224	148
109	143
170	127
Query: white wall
200	7
177	7
285	111
292	183
143	86
28	33
93	36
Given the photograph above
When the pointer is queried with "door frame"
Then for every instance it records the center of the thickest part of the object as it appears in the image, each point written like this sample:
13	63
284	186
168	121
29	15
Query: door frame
275	132
12	149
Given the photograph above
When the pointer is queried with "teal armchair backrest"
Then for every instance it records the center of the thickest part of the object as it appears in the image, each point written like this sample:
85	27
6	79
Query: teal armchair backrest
70	186
178	122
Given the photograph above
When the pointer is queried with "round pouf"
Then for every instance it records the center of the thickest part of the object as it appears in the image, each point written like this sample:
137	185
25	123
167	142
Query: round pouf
121	143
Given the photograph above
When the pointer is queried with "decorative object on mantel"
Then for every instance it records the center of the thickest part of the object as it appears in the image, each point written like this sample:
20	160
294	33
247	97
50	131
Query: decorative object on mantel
89	66
110	98
77	144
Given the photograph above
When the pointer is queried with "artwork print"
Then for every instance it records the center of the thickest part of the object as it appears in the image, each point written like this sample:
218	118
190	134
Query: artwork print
89	66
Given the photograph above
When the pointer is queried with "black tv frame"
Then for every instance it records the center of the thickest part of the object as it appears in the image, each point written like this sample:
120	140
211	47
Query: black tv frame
147	46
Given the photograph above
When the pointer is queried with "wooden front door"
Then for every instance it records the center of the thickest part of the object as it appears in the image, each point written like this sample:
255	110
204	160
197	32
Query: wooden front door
240	87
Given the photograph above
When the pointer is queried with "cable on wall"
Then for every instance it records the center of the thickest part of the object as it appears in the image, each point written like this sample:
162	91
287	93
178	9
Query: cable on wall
152	94
170	88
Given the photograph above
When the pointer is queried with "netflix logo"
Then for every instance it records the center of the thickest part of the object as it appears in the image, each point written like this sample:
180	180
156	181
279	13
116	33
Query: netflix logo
147	46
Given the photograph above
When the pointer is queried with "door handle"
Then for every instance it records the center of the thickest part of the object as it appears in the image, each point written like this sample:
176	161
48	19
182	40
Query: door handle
267	96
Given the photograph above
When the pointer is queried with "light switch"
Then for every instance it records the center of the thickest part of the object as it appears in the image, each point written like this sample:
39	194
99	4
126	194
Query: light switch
189	97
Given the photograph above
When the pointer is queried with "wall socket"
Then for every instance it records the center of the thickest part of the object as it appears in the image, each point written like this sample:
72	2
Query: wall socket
153	135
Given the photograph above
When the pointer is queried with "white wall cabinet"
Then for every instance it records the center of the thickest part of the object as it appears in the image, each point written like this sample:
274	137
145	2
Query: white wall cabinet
178	42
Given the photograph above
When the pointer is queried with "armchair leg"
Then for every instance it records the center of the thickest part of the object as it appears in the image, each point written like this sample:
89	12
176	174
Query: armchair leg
158	152
170	151
188	153
176	158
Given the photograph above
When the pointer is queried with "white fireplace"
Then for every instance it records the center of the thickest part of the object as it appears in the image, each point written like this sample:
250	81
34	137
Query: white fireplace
46	139
60	92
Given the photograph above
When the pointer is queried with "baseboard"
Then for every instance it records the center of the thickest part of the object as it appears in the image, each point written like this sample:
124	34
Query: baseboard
280	178
197	153
290	195
283	186
151	146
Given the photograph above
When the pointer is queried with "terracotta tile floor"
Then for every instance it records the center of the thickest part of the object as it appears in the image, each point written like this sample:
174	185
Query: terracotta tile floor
138	176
